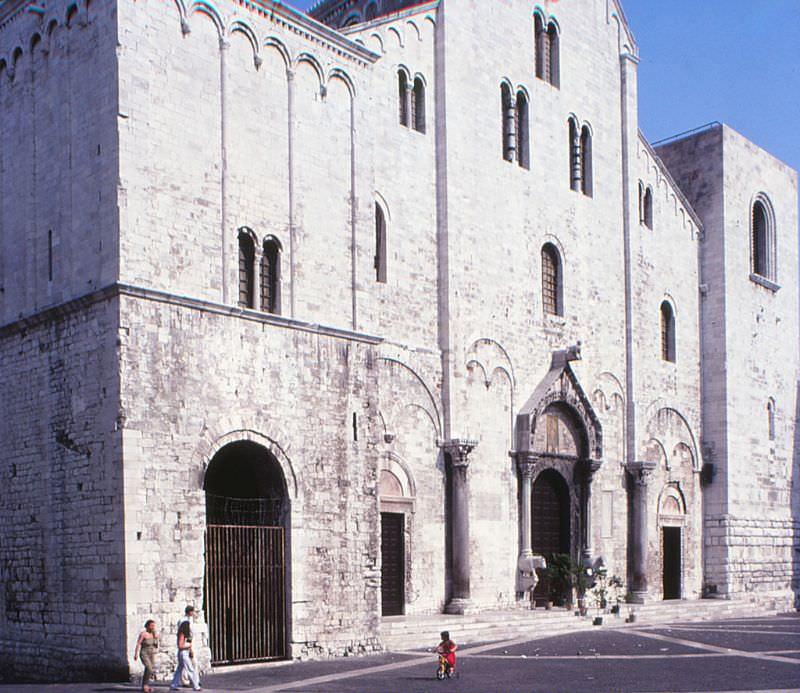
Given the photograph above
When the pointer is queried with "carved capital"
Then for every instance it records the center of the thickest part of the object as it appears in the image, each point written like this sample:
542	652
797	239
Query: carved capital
641	470
458	449
527	463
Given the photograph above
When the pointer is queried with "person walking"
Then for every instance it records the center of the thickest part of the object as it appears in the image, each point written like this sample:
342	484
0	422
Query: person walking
146	648
185	659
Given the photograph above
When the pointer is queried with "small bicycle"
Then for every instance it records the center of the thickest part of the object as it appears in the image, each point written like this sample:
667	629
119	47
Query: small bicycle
445	669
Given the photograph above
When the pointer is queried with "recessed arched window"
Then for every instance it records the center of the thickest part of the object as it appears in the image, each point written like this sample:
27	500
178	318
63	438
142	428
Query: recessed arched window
540	44
522	130
418	105
762	242
771	418
546	50
552	287
509	117
403	97
247	258
380	244
554	68
371	12
271	276
586	161
574	156
667	332
647	207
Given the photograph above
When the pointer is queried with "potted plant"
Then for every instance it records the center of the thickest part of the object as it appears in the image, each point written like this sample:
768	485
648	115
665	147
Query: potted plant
600	594
616	590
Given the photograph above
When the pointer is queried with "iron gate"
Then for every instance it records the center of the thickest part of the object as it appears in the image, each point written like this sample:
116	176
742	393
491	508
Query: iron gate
245	593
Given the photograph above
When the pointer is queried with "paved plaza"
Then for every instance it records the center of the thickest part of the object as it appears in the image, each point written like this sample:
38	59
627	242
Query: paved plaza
753	654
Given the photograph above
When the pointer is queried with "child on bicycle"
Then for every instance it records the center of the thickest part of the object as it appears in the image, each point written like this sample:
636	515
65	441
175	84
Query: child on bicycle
447	656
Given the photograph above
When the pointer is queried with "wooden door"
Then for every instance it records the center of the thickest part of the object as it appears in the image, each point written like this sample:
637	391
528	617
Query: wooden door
393	564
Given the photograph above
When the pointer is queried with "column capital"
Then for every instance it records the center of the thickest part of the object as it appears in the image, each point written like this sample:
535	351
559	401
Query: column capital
458	449
527	462
641	470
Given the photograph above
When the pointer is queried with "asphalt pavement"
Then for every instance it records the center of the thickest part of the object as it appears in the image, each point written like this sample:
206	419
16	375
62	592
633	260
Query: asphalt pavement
754	654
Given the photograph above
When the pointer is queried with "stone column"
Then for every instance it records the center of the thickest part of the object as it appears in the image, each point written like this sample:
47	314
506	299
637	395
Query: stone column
526	464
457	451
640	473
589	470
526	562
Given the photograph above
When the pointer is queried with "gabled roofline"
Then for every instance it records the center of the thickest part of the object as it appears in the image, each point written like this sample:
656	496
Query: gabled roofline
617	9
662	167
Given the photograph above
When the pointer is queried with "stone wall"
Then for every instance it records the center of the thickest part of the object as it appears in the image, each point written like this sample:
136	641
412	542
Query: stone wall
58	165
196	377
62	556
750	358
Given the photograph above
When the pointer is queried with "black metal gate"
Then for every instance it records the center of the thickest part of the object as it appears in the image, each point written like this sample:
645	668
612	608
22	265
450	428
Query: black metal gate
245	593
393	564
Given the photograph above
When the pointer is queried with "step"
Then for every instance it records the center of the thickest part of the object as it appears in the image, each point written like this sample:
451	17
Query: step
416	632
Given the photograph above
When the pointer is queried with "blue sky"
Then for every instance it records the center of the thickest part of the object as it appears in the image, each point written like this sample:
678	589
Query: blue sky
735	61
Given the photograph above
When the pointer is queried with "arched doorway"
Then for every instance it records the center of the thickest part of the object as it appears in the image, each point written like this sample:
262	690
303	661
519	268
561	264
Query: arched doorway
247	518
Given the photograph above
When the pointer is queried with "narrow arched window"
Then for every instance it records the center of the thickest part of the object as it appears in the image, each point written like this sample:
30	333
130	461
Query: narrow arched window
771	418
647	207
271	276
540	44
418	105
667	332
552	289
553	51
371	12
574	156
508	117
247	256
403	97
586	161
762	241
522	130
380	245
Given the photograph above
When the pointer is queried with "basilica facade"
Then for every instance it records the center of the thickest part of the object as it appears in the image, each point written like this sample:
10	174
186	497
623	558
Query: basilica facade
313	319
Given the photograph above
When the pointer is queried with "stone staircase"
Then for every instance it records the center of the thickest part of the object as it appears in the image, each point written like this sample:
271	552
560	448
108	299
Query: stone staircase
419	632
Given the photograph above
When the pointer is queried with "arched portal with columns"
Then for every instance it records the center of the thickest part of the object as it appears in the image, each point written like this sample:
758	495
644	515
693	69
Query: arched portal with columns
558	441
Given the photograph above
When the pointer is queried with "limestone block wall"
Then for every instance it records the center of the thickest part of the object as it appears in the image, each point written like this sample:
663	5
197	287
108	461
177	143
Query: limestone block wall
750	335
235	122
409	425
762	335
403	309
194	379
666	269
501	214
58	162
62	556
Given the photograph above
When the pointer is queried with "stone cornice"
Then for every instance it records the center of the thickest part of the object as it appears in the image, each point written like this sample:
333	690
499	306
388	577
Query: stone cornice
115	290
9	8
309	28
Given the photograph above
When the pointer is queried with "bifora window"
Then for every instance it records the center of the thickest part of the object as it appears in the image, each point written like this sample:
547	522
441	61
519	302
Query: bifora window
552	289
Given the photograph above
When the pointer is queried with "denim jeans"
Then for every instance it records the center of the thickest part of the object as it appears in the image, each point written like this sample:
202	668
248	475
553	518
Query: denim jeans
185	662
